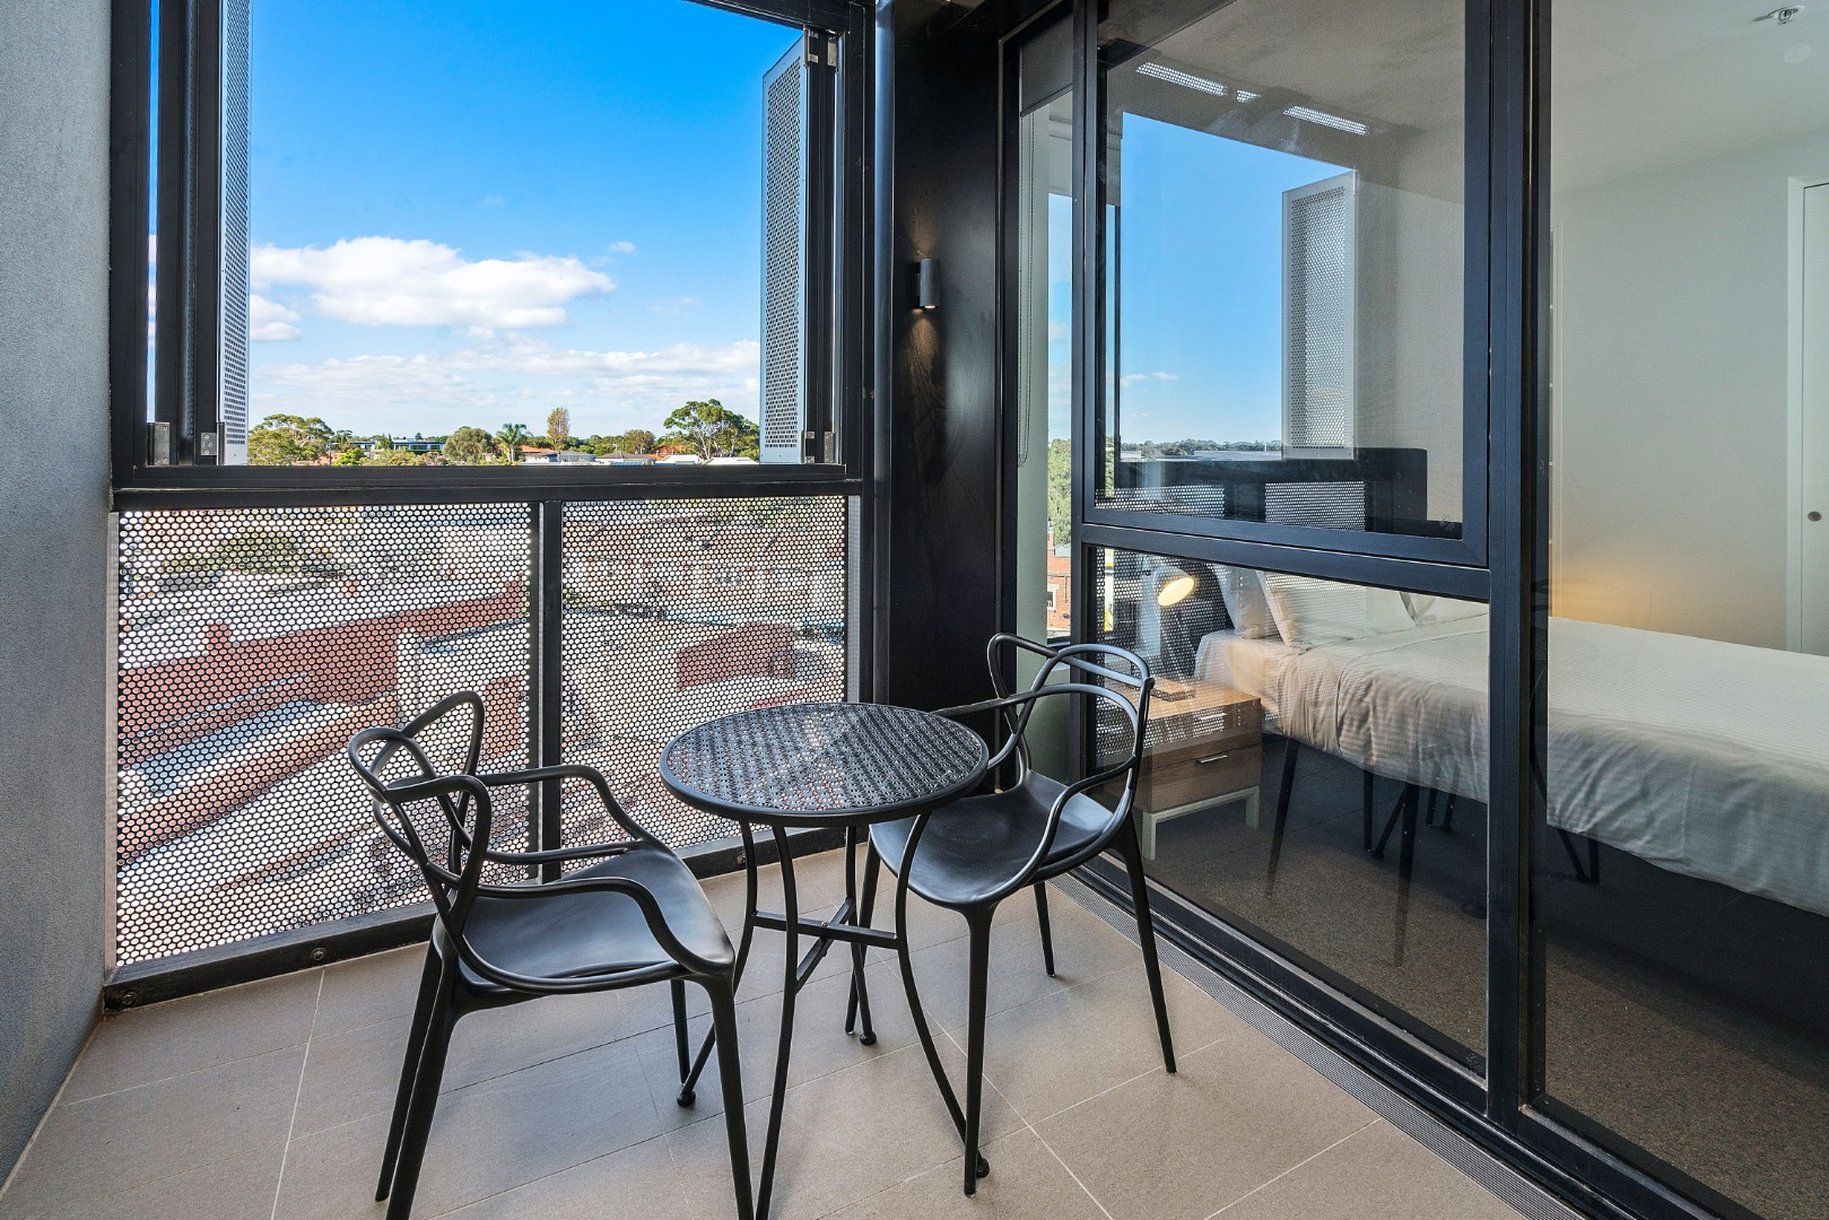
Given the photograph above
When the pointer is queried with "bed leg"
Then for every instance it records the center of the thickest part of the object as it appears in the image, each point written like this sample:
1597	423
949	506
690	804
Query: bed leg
1448	815
1365	809
1408	801
1429	817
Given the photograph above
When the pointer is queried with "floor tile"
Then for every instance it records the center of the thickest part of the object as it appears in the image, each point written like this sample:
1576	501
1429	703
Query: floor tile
486	1139
821	1045
146	1044
364	990
638	1183
844	1137
1085	947
1378	1173
88	1152
1027	1182
1057	1051
1181	1147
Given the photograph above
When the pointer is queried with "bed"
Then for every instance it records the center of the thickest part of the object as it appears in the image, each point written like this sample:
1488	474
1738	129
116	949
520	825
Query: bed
1705	758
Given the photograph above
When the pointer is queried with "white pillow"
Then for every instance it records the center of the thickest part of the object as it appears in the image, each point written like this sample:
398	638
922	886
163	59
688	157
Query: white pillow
1245	603
1310	612
1428	610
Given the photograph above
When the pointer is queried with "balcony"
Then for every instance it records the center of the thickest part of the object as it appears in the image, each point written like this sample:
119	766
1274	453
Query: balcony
272	1098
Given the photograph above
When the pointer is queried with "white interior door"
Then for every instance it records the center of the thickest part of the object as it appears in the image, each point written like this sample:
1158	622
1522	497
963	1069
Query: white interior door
1813	530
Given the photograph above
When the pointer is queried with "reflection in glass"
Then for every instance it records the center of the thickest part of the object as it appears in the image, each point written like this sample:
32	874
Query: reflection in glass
1283	188
1315	774
1688	974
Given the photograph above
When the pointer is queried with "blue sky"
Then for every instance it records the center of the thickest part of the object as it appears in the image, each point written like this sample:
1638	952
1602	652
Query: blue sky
1201	283
471	212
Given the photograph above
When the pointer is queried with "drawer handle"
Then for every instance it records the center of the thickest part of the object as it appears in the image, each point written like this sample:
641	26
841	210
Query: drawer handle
1213	758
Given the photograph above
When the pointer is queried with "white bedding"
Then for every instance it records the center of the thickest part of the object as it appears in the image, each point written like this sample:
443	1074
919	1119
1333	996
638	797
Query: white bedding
1704	758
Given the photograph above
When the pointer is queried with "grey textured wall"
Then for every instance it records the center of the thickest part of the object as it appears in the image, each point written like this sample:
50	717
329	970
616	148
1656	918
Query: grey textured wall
53	535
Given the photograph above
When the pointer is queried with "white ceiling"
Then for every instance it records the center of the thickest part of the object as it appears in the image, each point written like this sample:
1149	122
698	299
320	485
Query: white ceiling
1637	84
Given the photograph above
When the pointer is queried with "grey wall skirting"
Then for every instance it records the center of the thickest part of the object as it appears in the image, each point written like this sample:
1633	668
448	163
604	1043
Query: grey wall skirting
54	90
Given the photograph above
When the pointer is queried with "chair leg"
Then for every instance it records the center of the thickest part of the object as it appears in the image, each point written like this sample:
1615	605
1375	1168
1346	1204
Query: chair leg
979	935
678	990
1146	937
419	1112
730	1075
1041	915
423	1009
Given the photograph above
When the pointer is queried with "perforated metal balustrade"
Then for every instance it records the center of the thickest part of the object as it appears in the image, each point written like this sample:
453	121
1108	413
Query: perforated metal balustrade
679	611
253	642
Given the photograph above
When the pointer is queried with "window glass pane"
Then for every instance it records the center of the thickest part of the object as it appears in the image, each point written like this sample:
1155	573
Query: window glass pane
1285	237
541	233
1044	334
1310	778
1683	867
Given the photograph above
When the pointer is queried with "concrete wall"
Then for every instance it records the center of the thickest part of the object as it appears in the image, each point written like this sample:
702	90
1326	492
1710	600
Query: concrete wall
53	543
1671	352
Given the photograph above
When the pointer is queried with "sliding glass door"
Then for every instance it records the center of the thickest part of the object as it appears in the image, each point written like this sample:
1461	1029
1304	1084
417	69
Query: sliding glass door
1682	877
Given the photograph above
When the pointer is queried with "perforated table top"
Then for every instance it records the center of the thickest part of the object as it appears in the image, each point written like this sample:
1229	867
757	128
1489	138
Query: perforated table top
807	764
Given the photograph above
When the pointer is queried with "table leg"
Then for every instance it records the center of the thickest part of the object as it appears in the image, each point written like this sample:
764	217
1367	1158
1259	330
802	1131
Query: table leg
859	1003
790	957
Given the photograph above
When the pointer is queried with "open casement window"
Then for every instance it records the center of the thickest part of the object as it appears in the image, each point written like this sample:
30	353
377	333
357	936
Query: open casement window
247	309
1320	317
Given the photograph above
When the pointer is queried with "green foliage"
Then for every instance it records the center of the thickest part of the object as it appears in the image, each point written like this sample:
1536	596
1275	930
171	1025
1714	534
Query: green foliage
559	428
711	430
401	457
511	437
351	456
1060	490
289	440
469	447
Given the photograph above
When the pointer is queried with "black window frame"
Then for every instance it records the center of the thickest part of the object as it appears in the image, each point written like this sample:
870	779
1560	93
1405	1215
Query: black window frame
183	351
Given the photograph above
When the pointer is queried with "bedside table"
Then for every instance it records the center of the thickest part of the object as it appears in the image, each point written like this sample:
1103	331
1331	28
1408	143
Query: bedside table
1203	749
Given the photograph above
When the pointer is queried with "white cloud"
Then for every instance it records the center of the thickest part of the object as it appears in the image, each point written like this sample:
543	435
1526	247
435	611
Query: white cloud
1134	378
386	281
622	247
492	380
673	307
269	321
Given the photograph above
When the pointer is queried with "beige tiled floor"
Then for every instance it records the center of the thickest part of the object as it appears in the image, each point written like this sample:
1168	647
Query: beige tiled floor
271	1101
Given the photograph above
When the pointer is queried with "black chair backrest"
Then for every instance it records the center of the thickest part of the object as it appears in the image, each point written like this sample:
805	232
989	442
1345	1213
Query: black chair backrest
1117	680
440	816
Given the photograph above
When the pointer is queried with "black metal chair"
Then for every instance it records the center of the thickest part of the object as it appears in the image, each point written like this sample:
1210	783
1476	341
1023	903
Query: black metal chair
636	916
972	854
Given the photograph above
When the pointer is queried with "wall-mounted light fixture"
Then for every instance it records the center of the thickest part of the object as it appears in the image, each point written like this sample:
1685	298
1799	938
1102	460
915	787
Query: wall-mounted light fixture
927	284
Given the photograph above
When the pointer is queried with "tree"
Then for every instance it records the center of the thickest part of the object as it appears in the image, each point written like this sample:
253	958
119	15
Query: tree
352	456
400	457
559	427
288	440
636	440
469	447
711	430
1060	490
511	437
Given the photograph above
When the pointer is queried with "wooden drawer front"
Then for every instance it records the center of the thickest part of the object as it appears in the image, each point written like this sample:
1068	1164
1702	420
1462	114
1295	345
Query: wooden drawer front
1198	735
1215	773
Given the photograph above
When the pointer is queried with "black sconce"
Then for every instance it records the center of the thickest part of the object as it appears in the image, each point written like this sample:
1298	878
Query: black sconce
927	284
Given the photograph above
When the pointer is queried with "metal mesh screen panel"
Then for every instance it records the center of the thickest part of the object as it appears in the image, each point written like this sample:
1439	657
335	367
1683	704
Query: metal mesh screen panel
1338	505
233	383
1319	282
784	223
251	644
678	611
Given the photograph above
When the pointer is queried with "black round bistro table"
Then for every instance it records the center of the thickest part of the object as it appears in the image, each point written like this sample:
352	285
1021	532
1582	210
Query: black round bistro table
817	765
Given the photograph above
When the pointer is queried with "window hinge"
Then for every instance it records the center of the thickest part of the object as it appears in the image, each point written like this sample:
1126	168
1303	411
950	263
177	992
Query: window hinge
158	444
818	447
822	49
